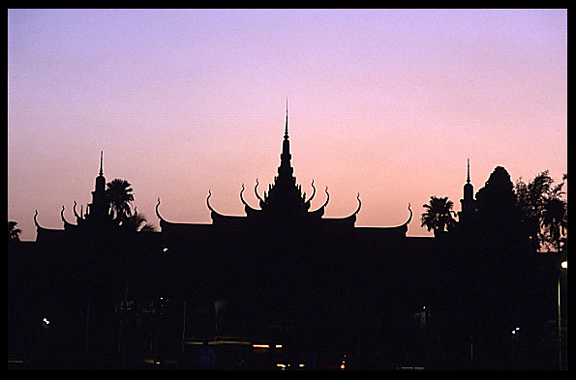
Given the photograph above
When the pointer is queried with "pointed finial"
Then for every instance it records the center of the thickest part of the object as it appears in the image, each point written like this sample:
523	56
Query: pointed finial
286	128
101	167
468	171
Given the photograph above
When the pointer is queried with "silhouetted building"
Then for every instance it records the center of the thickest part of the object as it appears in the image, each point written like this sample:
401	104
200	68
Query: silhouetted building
467	203
282	275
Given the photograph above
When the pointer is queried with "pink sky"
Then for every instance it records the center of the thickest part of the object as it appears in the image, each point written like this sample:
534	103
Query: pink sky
387	103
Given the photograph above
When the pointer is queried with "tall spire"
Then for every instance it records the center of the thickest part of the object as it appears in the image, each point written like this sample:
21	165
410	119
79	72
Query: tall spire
101	159
286	128
99	206
285	170
467	202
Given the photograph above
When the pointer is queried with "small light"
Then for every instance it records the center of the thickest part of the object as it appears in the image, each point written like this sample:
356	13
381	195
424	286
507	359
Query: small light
301	365
165	249
46	321
278	346
261	346
564	264
342	366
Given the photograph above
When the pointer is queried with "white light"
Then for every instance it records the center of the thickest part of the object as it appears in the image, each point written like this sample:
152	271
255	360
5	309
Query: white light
46	321
278	346
165	249
301	365
564	264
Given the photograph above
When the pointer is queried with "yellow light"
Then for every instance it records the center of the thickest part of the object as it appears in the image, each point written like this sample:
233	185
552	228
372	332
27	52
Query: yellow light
278	346
564	264
261	346
301	365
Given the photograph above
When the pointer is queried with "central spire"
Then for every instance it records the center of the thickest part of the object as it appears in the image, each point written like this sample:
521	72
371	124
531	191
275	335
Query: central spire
286	128
285	170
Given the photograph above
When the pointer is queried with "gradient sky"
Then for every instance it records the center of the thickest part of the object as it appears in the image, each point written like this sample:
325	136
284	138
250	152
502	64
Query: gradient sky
387	103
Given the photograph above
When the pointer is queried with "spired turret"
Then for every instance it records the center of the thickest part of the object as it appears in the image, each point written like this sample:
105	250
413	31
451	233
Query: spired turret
283	206
468	203
99	208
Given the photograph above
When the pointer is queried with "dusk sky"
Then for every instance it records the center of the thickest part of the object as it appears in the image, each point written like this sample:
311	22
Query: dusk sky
385	103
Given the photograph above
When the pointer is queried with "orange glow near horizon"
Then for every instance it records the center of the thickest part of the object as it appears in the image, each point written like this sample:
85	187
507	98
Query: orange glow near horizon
385	103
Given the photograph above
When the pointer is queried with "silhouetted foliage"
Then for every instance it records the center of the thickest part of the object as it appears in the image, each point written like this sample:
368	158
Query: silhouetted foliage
136	222
439	215
543	211
13	232
119	194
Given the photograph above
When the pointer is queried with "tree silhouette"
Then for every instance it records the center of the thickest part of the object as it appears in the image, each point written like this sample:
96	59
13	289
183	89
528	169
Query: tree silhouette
119	195
543	211
13	232
439	215
554	220
137	222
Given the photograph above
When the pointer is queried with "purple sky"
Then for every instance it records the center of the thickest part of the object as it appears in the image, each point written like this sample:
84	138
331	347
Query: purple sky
388	103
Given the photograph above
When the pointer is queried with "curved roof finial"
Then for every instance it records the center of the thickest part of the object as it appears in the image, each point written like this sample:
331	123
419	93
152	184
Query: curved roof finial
241	196
76	213
327	197
258	195
359	204
36	219
63	217
247	207
325	203
409	217
157	211
313	192
208	201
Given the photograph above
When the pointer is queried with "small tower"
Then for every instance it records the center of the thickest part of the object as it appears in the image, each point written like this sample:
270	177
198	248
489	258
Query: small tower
99	207
285	171
468	203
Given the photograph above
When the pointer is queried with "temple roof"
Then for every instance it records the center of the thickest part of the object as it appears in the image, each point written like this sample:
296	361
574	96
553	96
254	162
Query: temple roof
284	203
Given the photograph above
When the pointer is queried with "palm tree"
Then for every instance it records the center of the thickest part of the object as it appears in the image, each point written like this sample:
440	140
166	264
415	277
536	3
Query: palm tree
119	195
554	219
543	211
137	222
439	215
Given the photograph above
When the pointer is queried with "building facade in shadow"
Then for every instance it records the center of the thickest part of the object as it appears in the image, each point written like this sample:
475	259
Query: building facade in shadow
282	275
